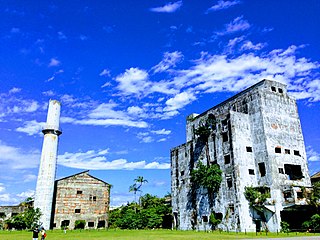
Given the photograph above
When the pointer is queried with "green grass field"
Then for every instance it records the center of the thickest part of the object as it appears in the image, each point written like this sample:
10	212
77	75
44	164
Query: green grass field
141	235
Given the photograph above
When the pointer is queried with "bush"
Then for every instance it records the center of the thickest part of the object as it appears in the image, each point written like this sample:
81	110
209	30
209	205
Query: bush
79	224
285	227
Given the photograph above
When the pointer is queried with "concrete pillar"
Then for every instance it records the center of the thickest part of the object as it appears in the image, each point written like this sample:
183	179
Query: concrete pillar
47	170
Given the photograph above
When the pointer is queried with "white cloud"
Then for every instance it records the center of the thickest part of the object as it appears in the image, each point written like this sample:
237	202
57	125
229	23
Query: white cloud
179	101
312	155
133	81
31	127
26	194
24	106
48	93
248	45
238	24
223	5
17	158
94	160
162	132
105	73
168	8
169	60
2	187
54	62
6	198
15	90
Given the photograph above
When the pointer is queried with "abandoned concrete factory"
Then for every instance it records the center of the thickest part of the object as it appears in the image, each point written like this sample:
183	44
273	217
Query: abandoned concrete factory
256	139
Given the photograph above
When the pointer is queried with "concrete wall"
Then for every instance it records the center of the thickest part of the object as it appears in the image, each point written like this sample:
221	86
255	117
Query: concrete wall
250	129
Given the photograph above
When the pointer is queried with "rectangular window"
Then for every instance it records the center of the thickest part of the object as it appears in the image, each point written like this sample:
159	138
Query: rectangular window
231	208
225	137
262	169
277	149
281	170
77	210
94	198
79	192
90	224
229	182
249	149
205	219
287	151
182	173
273	89
280	90
225	122
227	159
296	152
293	171
299	195
251	172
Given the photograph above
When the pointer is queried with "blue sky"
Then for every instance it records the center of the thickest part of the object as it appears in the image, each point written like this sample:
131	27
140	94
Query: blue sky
129	72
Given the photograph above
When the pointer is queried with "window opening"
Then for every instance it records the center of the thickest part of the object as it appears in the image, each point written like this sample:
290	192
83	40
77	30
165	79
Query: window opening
101	224
225	122
225	137
249	149
227	159
280	90
94	198
287	195
90	224
182	173
277	149
251	172
231	208
262	169
281	170
229	182
77	210
300	194
79	192
65	223
287	151
205	219
273	89
293	171
296	152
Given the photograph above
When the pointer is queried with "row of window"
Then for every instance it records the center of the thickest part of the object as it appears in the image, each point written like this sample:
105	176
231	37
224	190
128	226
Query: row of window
91	198
274	89
286	151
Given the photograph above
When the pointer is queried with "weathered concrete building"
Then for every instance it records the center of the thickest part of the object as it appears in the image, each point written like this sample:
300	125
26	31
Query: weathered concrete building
81	197
256	139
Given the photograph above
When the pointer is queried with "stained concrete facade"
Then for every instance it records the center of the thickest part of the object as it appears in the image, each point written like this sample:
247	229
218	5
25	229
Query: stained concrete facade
257	141
81	197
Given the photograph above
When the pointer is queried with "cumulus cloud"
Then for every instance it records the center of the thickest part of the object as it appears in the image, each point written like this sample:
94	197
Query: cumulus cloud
97	160
312	155
179	101
17	158
31	127
168	8
14	90
223	5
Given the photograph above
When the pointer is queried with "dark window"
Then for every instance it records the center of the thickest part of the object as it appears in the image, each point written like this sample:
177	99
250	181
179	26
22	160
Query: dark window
262	169
249	149
219	215
65	223
287	194
225	122
300	195
251	172
293	171
225	137
280	90
273	89
296	152
287	151
94	198
90	224
277	149
205	218
281	170
79	192
182	173
54	225
101	224
226	159
77	210
229	182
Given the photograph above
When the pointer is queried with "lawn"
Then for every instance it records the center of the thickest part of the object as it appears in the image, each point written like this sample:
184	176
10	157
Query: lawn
141	235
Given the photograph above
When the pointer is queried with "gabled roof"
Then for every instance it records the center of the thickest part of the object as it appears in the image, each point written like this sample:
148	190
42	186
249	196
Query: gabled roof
86	171
315	176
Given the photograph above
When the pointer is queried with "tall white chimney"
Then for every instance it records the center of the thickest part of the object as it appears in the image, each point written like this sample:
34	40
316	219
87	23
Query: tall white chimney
47	170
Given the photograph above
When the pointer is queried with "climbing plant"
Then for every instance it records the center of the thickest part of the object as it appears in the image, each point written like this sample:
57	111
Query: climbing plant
256	195
209	177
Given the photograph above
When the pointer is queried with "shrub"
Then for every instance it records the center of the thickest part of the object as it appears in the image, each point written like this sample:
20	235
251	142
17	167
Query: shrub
79	224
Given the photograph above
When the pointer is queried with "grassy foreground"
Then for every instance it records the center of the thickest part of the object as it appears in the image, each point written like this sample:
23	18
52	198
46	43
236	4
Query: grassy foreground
141	235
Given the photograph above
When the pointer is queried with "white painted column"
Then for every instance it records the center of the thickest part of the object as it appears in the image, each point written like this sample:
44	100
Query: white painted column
48	163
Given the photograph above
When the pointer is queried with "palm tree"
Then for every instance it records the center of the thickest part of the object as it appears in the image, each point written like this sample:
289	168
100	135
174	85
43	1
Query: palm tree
140	180
134	188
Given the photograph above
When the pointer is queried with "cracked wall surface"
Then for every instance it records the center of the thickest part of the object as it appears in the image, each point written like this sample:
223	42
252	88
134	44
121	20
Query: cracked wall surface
257	141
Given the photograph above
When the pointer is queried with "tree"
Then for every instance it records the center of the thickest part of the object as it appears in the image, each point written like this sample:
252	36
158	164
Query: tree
133	188
28	219
140	181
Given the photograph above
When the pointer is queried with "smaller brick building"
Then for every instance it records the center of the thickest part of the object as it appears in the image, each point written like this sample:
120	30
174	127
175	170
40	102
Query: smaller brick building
80	197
